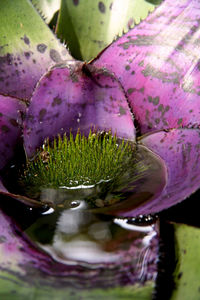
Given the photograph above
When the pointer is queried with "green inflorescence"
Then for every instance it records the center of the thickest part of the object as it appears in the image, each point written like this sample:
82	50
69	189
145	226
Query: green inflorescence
74	161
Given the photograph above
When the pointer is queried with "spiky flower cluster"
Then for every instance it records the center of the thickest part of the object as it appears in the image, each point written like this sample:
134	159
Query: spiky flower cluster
73	161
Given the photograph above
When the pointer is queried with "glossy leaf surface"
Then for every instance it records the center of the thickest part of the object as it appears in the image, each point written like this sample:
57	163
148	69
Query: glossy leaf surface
27	48
180	150
89	26
159	66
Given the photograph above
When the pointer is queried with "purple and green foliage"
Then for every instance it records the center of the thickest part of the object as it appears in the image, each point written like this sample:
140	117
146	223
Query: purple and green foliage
124	86
28	49
157	63
144	87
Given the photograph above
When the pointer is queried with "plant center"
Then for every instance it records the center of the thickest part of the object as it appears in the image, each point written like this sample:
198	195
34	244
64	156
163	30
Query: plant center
94	169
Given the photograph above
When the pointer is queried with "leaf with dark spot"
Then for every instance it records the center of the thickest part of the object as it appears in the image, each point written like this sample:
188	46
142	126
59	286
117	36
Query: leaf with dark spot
55	56
42	114
56	101
180	150
26	40
186	274
76	2
102	7
89	26
60	103
24	55
169	72
41	48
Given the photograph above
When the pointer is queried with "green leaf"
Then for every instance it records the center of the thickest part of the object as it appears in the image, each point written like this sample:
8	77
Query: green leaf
27	48
47	8
187	273
89	26
13	287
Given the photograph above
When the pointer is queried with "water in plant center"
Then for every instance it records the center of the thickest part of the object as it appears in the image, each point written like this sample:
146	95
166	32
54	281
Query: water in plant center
84	186
107	173
78	248
109	246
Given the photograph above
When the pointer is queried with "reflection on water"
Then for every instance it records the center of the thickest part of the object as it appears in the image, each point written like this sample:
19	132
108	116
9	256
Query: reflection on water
140	180
120	253
72	242
75	247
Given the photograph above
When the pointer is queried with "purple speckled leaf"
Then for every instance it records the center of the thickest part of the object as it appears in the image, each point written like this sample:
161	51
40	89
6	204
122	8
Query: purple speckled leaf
10	131
27	48
76	96
157	63
180	149
10	134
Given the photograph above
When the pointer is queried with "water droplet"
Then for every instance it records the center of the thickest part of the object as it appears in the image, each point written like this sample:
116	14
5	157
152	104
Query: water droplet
74	204
49	211
125	224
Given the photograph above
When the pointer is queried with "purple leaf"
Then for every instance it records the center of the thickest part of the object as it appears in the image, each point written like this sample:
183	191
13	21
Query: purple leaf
11	110
180	149
2	187
73	97
10	127
157	63
10	130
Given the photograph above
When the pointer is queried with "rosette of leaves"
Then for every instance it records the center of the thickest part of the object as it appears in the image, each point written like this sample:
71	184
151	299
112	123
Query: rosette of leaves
138	88
143	87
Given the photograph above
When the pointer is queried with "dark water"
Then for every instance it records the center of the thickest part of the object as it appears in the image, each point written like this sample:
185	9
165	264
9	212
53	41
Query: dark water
140	180
78	248
69	242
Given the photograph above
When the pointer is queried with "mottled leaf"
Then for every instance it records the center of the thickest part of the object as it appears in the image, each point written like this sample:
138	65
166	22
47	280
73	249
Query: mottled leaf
27	48
89	26
73	97
157	63
47	8
187	272
180	149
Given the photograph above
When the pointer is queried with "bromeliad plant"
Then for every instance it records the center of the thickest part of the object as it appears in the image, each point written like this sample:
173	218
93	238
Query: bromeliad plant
119	129
142	88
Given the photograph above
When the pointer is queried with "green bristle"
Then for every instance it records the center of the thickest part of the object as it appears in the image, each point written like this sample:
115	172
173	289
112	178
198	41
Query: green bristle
72	161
